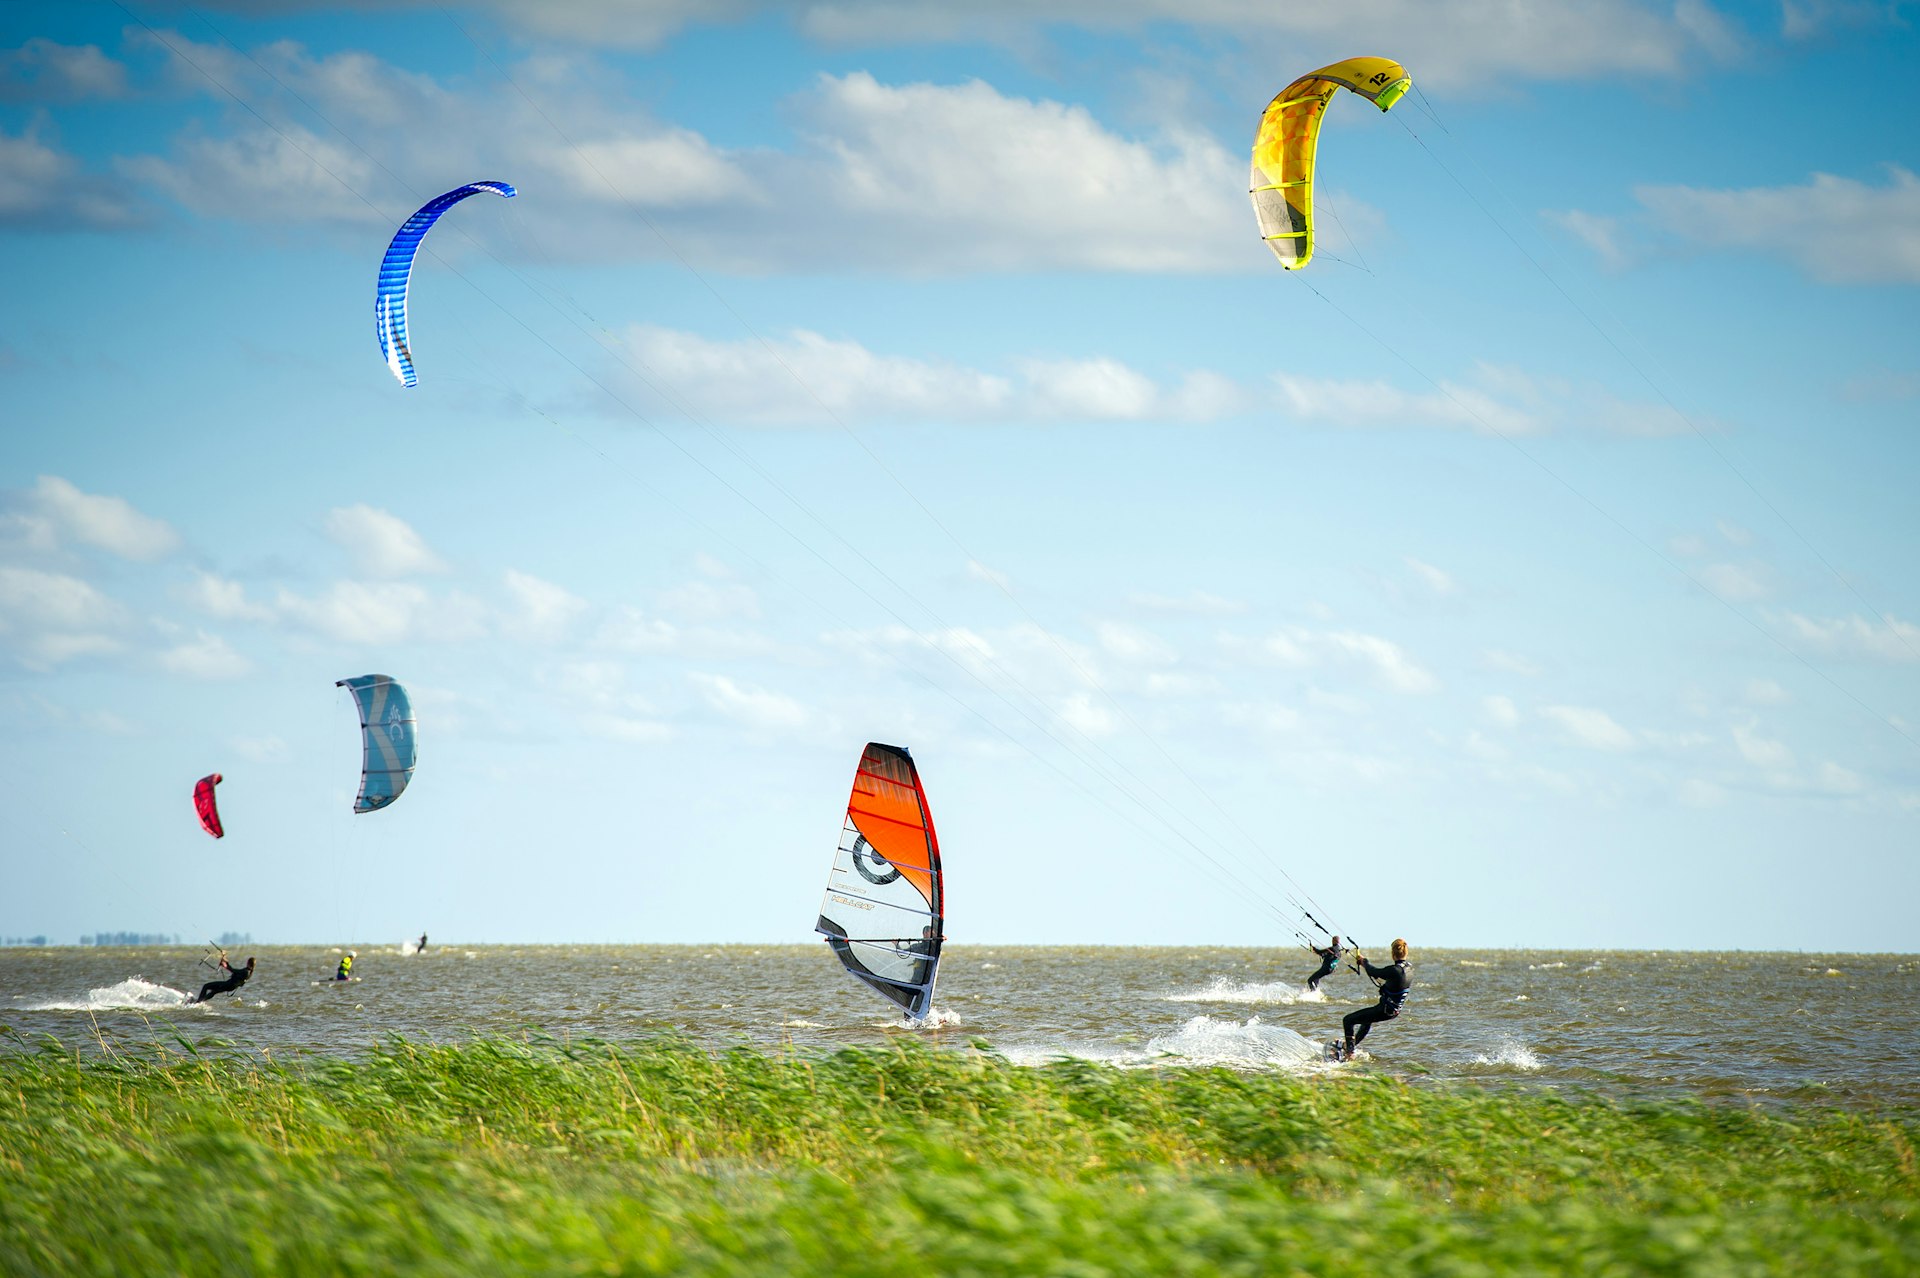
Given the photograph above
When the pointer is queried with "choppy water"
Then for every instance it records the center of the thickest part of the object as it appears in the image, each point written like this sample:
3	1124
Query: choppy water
1841	1029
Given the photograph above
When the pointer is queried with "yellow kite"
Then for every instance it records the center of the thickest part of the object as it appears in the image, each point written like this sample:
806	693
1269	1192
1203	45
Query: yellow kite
1282	181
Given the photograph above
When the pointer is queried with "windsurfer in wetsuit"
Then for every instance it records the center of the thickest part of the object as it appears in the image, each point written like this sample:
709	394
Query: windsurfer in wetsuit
1329	959
1394	981
234	982
929	945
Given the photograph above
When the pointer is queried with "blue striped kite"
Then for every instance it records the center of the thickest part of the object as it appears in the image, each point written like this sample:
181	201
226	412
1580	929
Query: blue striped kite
396	269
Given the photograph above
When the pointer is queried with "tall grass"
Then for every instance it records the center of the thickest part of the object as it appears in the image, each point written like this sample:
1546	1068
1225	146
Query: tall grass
662	1157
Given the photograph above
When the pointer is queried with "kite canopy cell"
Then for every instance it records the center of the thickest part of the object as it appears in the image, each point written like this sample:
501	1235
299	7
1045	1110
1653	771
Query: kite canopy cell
387	733
396	270
205	805
883	915
1283	151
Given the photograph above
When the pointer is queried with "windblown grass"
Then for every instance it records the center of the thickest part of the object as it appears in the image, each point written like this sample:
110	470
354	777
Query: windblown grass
661	1157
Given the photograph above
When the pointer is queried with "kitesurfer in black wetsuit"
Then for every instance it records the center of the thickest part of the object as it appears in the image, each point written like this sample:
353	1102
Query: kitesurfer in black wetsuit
1329	959
232	983
1394	981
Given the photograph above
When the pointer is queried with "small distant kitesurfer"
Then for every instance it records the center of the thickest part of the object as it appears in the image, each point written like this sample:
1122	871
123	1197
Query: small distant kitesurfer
346	965
423	944
1394	980
234	982
1329	959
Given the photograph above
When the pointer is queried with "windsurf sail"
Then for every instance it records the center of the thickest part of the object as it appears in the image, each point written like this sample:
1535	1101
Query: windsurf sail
209	810
387	733
884	913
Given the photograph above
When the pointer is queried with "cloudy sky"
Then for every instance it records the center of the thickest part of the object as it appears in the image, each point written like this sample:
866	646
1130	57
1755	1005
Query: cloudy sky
1536	567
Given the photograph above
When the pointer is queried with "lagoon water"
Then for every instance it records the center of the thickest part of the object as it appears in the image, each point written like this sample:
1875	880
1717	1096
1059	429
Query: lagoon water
1841	1029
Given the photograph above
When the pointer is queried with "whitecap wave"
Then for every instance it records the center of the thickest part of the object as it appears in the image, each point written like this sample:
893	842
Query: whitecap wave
1511	1054
1543	967
1222	990
1208	1040
936	1018
801	1024
133	994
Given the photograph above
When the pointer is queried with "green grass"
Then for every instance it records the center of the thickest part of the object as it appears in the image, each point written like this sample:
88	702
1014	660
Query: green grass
661	1157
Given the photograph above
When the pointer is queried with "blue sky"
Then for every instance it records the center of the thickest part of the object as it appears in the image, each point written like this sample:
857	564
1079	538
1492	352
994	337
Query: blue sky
1535	568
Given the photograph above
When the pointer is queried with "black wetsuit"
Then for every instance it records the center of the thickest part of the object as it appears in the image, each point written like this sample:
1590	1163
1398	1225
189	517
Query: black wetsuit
1329	959
1394	982
232	983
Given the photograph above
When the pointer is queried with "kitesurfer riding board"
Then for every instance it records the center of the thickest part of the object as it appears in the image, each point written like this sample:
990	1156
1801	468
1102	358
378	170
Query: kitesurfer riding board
232	983
1394	980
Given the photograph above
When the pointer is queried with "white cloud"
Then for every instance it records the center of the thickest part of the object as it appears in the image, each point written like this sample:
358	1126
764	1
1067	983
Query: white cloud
598	693
1070	196
206	657
1463	46
1301	647
45	189
542	611
630	630
1600	234
1842	231
379	543
1765	692
43	70
1089	717
223	599
384	613
1831	778
109	523
858	190
1437	580
806	377
1269	719
1810	19
1508	663
977	571
1736	583
706	601
756	708
1856	636
1882	385
1497	400
1133	646
47	618
1175	684
1697	793
1197	603
1595	729
1375	403
1393	668
1761	752
268	749
1501	710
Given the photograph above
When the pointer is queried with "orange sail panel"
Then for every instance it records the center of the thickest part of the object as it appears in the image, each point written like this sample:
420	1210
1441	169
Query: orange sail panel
884	912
